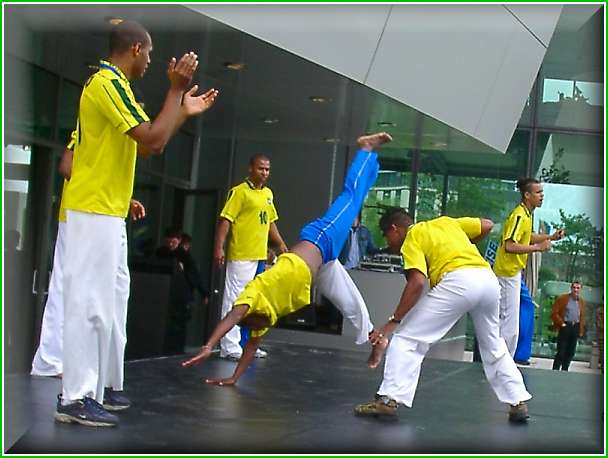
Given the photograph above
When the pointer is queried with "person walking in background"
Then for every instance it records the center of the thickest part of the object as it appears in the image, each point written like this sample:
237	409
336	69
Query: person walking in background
112	129
568	316
247	220
516	241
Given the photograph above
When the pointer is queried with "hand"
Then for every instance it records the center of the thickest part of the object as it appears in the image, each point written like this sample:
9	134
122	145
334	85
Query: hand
196	104
283	249
558	235
202	355
221	381
377	335
544	245
180	73
218	257
205	300
137	210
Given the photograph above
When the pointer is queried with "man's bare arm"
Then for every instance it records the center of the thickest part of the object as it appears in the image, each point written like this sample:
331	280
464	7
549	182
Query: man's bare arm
486	227
276	238
221	232
65	164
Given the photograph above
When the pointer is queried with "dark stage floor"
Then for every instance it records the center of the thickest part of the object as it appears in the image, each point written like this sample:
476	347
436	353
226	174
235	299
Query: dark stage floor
300	400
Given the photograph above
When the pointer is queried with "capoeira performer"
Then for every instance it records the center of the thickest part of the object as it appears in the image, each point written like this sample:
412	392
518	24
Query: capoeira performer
441	250
48	360
516	241
285	287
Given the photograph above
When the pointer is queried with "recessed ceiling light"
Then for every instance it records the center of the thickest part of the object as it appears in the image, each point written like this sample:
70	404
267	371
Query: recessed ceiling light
319	99
439	144
270	120
387	124
236	66
331	140
114	20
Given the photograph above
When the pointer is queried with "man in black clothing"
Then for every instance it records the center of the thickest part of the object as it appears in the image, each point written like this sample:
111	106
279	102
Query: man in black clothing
186	279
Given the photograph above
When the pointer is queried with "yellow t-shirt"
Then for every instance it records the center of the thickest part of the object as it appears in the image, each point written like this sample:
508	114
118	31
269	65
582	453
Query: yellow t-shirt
442	245
250	212
518	227
70	146
104	157
279	291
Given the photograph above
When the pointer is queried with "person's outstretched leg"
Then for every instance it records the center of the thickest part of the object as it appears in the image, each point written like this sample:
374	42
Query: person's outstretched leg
329	232
336	285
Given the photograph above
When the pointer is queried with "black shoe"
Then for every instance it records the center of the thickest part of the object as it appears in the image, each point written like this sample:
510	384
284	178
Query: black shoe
85	411
519	413
523	363
114	400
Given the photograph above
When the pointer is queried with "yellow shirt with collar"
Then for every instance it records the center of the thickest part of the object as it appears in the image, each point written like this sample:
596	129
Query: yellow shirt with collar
442	245
517	227
103	170
279	291
250	211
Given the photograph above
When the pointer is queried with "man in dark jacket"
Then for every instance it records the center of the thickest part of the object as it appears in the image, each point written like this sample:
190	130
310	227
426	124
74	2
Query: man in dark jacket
358	244
568	318
186	278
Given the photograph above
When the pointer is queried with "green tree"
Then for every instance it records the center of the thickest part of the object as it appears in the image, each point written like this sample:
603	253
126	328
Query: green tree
583	244
481	197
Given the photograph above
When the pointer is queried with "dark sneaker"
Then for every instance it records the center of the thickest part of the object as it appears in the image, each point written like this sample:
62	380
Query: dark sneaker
381	406
519	413
114	400
85	411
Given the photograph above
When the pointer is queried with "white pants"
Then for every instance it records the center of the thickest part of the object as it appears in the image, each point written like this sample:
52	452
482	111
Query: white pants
96	292
336	285
238	274
48	359
467	290
510	288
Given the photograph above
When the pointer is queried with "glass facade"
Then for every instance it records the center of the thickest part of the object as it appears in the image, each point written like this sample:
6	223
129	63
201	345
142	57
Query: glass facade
560	141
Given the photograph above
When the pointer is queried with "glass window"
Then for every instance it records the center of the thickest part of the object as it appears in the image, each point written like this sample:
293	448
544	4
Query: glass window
31	103
392	189
178	156
569	158
571	77
144	232
68	110
571	165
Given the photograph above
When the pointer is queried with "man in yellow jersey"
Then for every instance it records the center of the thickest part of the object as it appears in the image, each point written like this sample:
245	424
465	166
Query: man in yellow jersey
248	217
285	287
516	241
112	129
48	359
442	252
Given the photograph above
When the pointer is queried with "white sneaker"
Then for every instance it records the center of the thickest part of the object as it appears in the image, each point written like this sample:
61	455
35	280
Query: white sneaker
230	356
259	353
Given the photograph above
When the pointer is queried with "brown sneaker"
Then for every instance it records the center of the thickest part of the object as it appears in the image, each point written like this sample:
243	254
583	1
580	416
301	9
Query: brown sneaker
381	406
519	413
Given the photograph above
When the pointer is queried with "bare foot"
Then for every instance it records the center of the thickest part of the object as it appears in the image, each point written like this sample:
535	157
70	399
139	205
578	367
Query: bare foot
375	357
373	141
